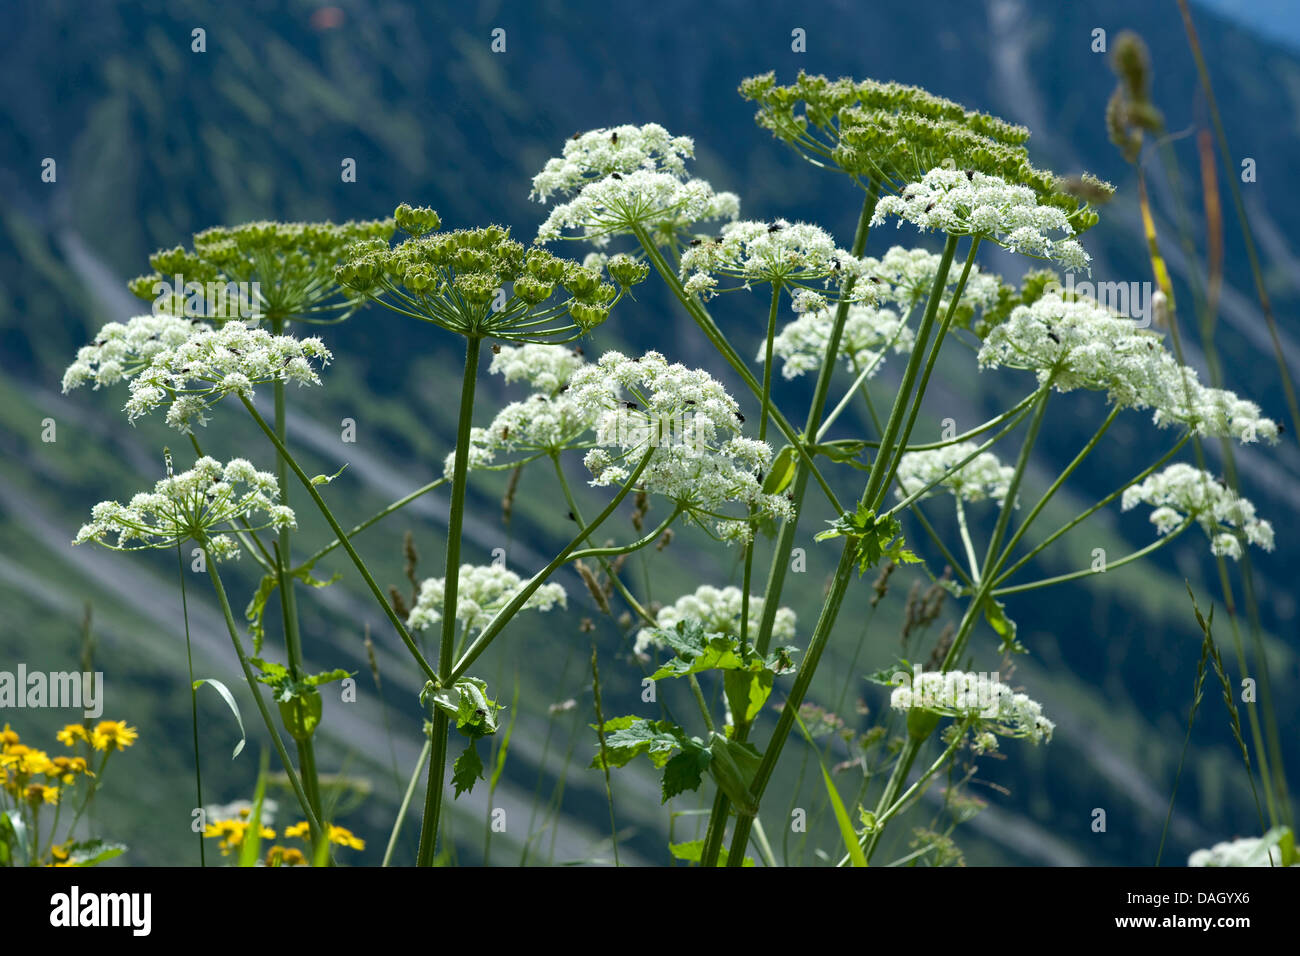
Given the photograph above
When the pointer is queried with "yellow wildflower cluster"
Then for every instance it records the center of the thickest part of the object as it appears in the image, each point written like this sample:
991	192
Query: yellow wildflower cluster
231	832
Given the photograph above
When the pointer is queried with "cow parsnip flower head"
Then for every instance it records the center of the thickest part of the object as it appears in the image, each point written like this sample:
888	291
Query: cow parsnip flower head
718	611
904	277
689	425
546	368
201	504
542	424
890	133
286	268
479	283
969	203
1078	344
1182	493
597	153
983	477
783	253
482	591
121	350
869	333
990	705
661	203
211	363
547	422
1244	851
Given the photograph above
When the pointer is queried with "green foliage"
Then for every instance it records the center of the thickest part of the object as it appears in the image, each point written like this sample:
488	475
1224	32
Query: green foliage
467	703
878	537
468	769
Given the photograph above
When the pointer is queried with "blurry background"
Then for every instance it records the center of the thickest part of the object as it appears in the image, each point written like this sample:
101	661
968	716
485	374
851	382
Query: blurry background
154	142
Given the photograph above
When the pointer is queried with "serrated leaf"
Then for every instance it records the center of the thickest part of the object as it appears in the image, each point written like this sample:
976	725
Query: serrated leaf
655	738
467	770
229	698
685	771
466	701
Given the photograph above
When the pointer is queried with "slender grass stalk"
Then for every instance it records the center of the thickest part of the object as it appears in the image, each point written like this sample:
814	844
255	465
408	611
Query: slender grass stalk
194	699
406	802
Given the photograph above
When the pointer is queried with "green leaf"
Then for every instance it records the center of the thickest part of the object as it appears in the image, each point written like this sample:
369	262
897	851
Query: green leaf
251	847
886	676
692	851
13	833
257	608
847	833
229	698
628	737
467	770
685	771
843	451
301	714
995	613
746	692
93	852
733	767
782	471
466	701
326	479
699	650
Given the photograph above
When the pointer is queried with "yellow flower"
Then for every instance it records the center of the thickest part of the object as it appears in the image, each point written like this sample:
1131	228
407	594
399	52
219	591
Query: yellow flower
67	768
300	830
60	852
41	793
344	837
232	832
26	762
113	735
8	736
70	734
285	856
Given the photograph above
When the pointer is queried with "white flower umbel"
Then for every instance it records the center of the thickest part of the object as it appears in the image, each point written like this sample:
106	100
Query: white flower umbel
718	611
212	363
546	368
1079	344
984	476
868	333
122	349
988	704
483	590
904	277
691	427
199	505
1182	492
780	252
970	203
540	424
618	204
1245	851
622	149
